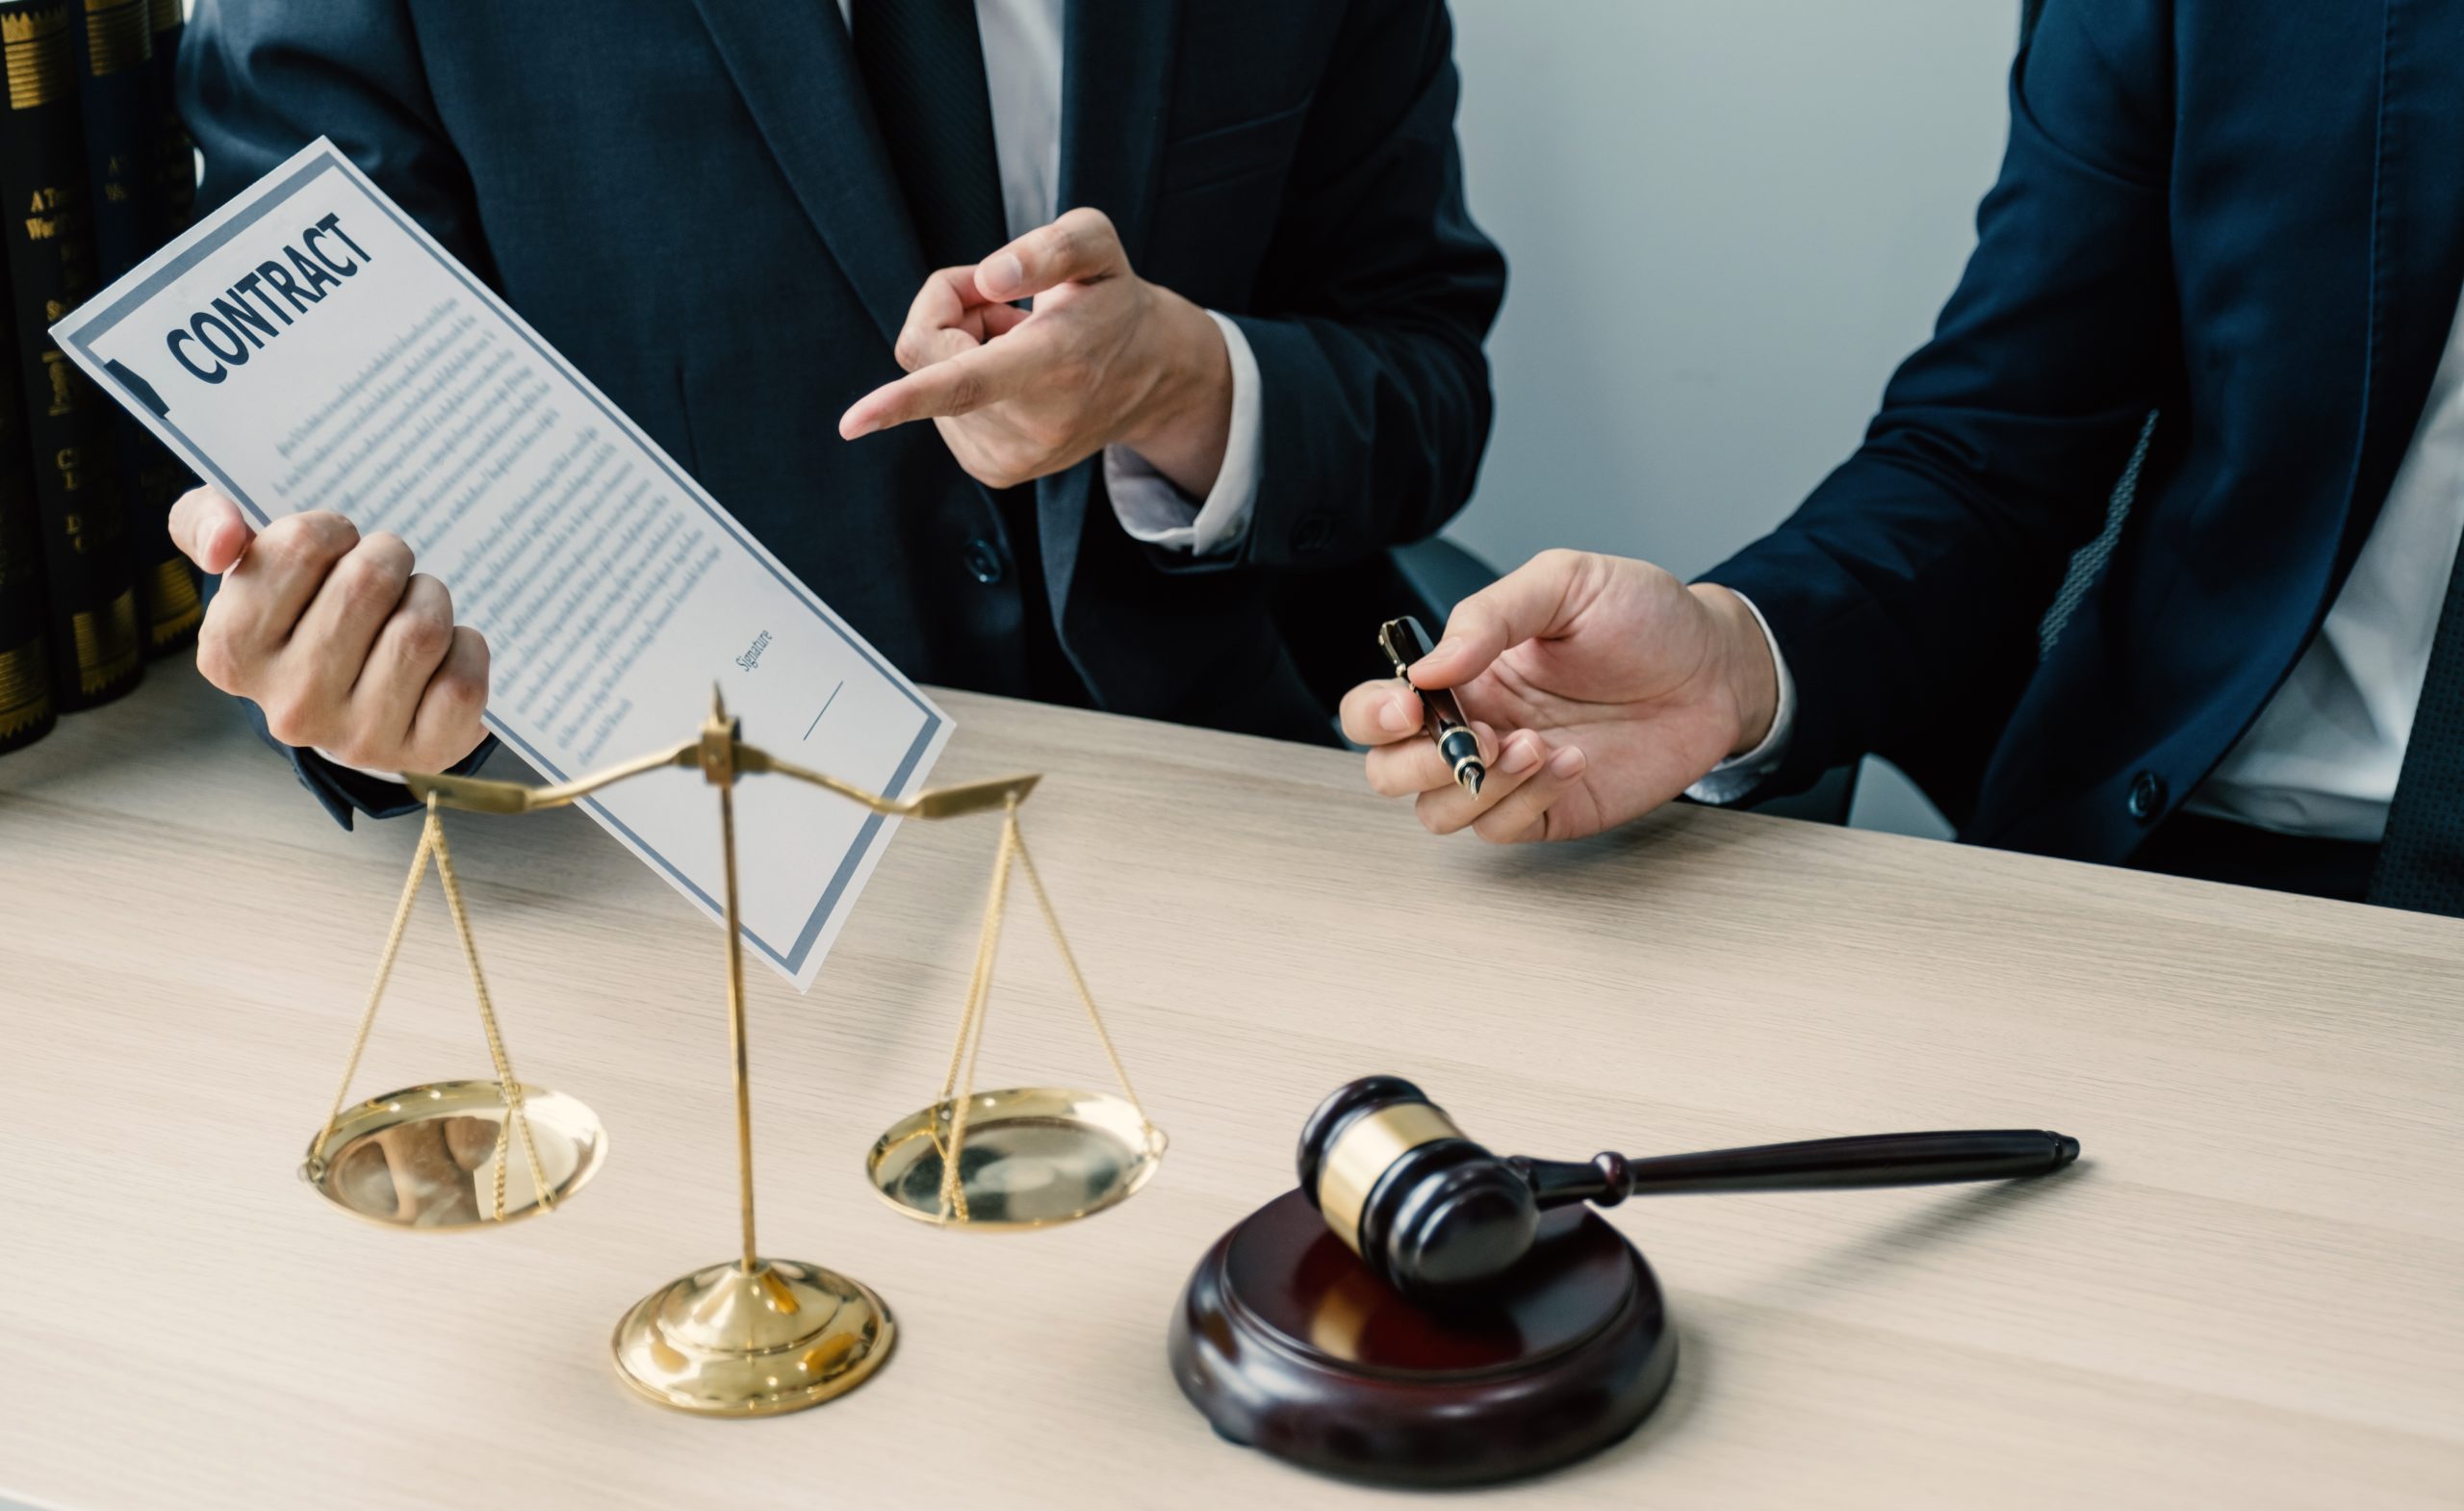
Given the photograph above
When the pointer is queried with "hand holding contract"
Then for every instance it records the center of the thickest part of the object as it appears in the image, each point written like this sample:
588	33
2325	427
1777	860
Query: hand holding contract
388	426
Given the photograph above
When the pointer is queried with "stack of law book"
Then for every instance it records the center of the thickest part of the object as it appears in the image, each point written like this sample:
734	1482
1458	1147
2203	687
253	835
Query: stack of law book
95	172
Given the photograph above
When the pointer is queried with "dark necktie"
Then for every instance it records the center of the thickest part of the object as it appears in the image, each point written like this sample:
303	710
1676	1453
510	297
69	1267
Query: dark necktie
2421	866
922	61
923	66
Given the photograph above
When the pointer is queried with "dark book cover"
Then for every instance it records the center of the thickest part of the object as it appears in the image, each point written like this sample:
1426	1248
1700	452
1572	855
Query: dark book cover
118	94
26	710
90	586
175	152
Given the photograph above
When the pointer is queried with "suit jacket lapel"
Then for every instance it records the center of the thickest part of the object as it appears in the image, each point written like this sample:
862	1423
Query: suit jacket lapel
2417	272
796	70
1116	93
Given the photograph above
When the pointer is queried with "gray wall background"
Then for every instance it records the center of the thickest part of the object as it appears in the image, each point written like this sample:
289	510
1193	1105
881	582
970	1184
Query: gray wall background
1726	224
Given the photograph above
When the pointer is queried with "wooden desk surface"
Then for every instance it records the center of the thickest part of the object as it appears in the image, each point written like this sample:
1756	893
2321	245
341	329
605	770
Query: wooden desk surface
2250	1295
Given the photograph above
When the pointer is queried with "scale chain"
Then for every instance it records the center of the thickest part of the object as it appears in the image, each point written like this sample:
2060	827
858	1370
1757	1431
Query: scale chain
428	832
957	1089
516	1118
1077	978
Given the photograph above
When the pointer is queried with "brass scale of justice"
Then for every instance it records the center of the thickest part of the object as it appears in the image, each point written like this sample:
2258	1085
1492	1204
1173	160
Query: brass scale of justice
752	1336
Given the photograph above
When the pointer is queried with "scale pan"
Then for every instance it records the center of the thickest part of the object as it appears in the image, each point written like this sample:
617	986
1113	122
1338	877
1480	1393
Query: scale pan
1034	1156
425	1157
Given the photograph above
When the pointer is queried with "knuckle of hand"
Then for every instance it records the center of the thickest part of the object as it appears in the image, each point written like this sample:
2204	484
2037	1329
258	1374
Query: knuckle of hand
216	661
334	530
368	580
294	719
466	689
288	546
357	750
426	635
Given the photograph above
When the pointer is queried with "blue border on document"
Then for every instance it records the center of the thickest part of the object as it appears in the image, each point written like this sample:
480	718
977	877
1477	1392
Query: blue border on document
83	335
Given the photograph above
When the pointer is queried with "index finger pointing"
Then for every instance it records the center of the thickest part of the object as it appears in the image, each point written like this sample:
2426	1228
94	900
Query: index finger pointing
961	385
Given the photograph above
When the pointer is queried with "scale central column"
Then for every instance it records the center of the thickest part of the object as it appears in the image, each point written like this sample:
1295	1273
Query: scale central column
753	1336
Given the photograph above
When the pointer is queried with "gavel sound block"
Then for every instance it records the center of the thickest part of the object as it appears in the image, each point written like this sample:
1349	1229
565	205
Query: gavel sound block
1423	1313
1289	1345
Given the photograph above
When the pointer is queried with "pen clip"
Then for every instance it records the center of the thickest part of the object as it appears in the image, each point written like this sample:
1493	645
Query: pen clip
1404	642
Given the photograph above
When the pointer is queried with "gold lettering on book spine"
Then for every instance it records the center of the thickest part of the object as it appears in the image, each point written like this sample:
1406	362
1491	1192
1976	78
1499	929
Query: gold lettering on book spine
106	642
166	16
172	605
117	36
42	64
25	689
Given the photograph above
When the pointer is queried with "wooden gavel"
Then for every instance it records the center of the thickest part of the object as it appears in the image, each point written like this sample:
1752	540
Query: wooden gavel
1442	1219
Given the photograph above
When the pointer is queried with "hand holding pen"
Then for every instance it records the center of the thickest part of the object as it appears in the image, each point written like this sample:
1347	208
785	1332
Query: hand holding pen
1597	689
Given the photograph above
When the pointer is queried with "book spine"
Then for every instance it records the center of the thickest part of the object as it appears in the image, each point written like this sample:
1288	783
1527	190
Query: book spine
92	624
175	160
26	709
121	110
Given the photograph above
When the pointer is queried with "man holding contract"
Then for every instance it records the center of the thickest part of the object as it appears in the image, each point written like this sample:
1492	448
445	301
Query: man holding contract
1187	291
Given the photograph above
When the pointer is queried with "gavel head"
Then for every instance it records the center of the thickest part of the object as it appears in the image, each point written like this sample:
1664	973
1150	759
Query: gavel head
1434	1215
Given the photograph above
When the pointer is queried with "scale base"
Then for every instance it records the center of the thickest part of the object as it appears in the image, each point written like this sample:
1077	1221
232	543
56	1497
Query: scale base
728	1342
1288	1344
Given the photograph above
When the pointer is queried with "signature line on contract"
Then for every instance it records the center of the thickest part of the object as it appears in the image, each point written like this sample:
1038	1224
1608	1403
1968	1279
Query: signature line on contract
825	707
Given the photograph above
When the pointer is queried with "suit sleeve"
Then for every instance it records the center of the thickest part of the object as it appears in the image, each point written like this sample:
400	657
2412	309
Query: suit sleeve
258	80
1372	304
1906	592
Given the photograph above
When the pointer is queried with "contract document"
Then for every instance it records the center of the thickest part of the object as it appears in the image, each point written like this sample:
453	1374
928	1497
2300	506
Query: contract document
309	346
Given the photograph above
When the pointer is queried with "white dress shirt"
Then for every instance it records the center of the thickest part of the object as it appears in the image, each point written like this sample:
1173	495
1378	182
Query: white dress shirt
2324	753
1022	71
2323	756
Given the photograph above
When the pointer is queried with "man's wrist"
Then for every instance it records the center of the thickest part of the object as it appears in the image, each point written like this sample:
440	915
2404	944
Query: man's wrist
1184	426
1750	675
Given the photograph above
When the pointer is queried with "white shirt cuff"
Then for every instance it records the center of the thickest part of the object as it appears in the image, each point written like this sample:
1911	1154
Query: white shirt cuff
1739	775
332	760
1151	510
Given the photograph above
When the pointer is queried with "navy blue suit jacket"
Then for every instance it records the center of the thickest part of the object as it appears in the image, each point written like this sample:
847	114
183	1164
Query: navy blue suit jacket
691	199
2247	215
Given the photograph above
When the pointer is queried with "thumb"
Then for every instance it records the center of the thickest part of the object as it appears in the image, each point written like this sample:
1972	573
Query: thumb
208	531
1080	247
1533	602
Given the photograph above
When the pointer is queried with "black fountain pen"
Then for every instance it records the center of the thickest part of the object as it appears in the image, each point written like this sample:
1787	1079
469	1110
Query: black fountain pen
1406	642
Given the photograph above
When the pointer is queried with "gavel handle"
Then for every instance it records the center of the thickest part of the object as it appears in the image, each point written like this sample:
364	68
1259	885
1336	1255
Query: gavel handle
1907	1159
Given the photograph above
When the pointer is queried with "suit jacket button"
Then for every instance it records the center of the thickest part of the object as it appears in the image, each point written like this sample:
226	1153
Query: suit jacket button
2146	797
984	560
